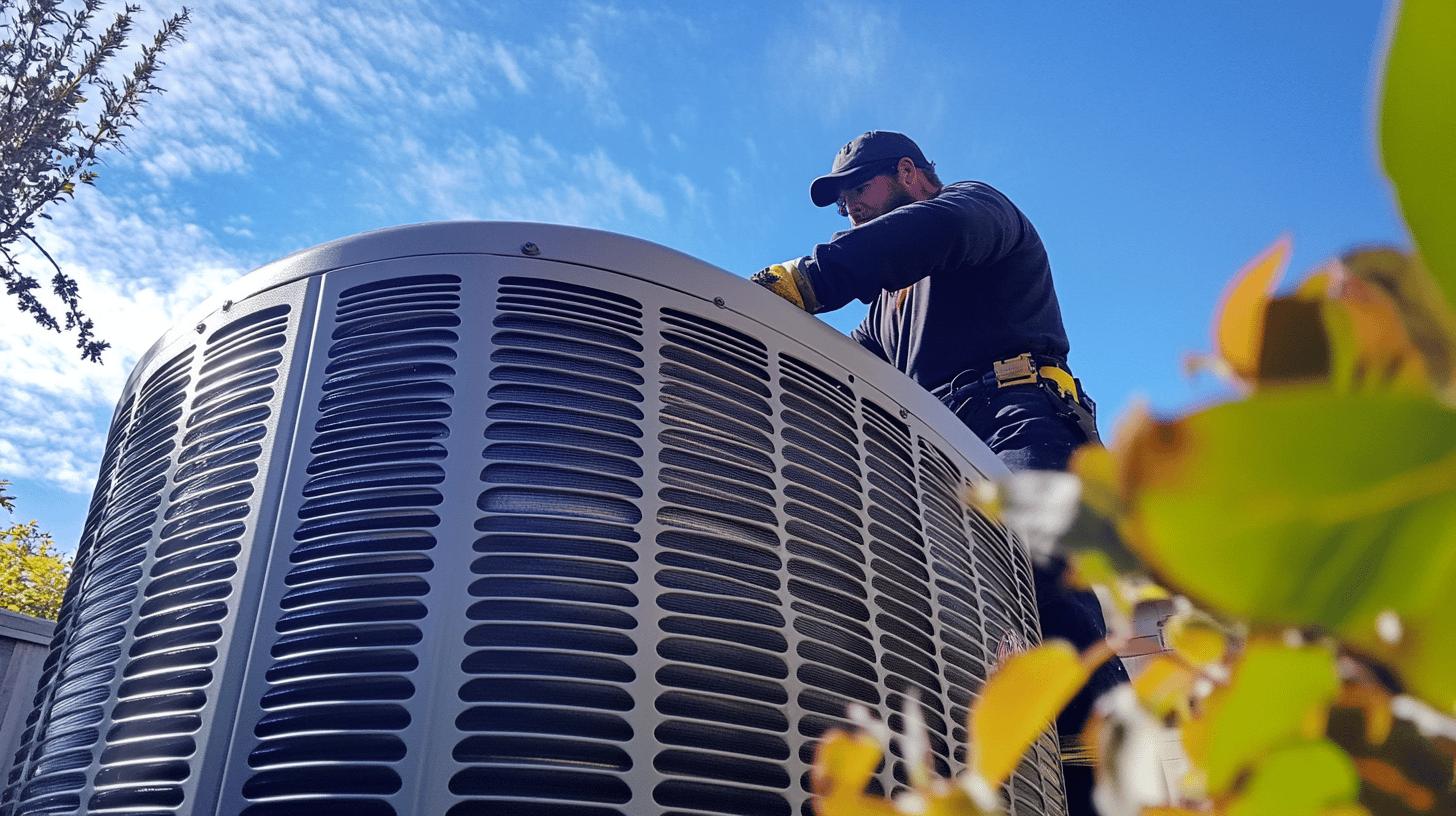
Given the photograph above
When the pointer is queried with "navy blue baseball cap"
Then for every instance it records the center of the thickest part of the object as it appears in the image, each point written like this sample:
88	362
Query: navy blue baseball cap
869	152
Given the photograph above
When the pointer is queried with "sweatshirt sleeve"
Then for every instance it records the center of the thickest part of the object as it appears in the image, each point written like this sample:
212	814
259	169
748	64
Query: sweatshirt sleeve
863	335
966	224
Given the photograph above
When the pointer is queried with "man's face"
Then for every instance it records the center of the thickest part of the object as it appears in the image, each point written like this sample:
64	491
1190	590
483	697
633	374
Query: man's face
873	198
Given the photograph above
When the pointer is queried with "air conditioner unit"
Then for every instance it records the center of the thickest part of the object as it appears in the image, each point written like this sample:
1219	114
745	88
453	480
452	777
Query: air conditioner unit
498	518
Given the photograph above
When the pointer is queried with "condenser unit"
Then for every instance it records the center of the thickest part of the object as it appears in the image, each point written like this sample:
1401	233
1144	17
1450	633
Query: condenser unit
499	518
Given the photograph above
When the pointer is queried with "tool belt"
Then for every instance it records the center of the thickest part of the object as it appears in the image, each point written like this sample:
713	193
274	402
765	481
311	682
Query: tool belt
1025	369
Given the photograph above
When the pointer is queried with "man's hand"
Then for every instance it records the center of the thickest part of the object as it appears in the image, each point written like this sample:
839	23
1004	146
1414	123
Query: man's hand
786	281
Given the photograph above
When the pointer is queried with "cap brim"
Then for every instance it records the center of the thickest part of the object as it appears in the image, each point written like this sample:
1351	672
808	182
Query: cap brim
825	189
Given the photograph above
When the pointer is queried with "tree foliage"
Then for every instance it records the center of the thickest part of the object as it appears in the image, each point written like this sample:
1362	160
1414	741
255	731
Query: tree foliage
1306	532
33	572
55	59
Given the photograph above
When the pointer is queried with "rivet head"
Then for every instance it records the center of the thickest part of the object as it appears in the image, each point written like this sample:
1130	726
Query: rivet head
200	328
227	304
904	414
720	303
530	249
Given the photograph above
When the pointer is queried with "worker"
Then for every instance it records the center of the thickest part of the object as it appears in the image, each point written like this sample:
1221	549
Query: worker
961	300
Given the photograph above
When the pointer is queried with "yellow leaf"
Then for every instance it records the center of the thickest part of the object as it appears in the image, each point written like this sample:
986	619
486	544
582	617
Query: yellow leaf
1019	701
1165	686
1239	328
1196	637
1097	468
1424	315
845	763
1369	344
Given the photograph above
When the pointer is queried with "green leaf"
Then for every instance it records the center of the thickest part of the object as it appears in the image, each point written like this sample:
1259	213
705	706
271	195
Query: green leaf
1301	780
1309	509
1277	697
1418	130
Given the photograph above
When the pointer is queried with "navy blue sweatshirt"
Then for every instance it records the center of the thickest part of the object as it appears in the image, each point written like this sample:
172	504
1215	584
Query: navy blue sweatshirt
954	283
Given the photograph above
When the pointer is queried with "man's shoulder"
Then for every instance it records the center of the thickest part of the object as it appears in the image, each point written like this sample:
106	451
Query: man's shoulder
973	187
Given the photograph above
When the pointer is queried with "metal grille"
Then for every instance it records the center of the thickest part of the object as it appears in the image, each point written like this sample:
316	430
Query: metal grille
163	696
120	425
718	577
828	553
434	525
350	613
105	582
553	605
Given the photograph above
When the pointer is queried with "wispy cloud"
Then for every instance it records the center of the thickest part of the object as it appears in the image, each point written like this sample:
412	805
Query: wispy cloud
247	68
501	176
845	60
250	84
138	268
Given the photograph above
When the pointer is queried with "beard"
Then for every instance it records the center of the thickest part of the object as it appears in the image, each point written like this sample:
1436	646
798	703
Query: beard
899	197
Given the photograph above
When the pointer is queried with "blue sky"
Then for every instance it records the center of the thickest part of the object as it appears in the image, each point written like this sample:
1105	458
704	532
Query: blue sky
1156	146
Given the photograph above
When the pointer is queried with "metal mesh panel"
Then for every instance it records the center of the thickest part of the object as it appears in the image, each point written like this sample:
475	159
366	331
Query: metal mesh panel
105	582
900	582
340	661
454	528
163	696
718	578
553	605
116	441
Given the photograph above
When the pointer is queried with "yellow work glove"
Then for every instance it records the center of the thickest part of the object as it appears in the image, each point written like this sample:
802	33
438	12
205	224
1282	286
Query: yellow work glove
786	281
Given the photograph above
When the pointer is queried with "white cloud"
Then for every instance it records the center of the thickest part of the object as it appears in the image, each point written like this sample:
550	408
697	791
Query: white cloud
576	65
500	176
247	81
139	268
248	67
846	60
510	68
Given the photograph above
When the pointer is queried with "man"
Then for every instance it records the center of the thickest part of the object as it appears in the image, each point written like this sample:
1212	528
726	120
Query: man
961	300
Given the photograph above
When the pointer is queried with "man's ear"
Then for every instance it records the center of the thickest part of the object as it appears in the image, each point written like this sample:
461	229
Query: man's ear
905	170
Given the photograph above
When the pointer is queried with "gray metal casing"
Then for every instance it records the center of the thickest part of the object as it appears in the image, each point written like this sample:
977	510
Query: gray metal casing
519	519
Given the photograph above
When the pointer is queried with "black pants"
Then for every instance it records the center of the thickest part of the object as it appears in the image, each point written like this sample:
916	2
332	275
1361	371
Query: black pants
1026	427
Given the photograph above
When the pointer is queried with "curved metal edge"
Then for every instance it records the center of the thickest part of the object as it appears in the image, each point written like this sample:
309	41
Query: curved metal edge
608	251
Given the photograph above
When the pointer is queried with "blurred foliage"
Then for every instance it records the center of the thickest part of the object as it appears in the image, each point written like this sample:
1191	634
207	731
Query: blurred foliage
55	60
1306	530
33	572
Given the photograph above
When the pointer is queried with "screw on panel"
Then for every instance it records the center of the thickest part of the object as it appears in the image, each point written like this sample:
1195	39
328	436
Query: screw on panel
720	303
904	414
201	328
530	249
227	304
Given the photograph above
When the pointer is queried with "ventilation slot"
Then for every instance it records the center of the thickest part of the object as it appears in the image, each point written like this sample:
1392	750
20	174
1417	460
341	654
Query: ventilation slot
718	576
328	736
901	585
959	606
828	577
555	600
100	597
100	501
169	670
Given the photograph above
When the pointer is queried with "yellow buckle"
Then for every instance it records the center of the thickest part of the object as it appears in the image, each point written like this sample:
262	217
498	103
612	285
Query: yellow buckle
1064	382
1014	371
1019	370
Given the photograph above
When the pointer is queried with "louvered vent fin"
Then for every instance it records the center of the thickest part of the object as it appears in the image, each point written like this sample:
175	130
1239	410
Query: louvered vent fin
342	657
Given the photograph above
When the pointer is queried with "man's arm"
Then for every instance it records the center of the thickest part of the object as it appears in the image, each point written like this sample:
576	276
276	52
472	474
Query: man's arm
967	224
863	335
